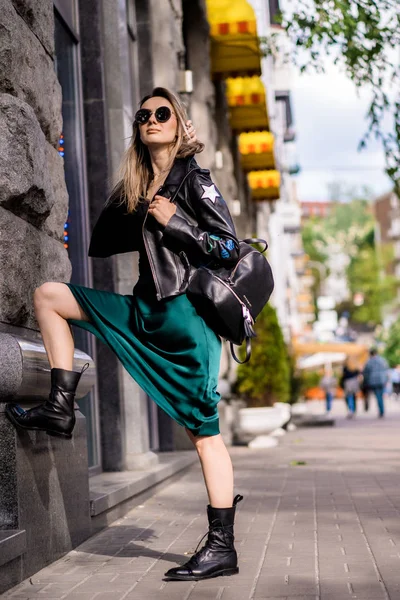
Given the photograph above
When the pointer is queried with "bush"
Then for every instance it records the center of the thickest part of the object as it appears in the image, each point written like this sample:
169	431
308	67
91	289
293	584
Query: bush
266	378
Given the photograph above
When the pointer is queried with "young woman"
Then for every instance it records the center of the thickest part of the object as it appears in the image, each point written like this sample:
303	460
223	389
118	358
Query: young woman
169	210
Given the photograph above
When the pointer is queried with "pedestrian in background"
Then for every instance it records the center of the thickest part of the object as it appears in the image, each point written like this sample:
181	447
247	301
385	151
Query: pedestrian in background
350	382
328	383
168	209
376	376
365	395
394	375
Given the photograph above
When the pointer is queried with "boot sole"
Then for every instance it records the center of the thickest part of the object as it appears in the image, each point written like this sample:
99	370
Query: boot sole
67	436
224	573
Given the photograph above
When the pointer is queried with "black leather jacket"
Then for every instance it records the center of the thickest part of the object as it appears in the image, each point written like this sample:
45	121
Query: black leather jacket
201	232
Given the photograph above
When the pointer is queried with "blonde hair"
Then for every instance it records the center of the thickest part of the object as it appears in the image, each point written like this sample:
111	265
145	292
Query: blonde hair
135	172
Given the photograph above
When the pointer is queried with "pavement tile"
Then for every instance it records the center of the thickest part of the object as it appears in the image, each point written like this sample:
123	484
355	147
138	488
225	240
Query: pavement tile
318	532
80	596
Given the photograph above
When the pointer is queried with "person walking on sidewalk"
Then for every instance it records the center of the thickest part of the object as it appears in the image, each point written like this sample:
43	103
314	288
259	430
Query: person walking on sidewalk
350	382
376	376
168	209
328	383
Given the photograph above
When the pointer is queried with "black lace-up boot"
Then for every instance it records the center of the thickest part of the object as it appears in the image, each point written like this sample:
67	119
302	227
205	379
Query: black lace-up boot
56	416
218	556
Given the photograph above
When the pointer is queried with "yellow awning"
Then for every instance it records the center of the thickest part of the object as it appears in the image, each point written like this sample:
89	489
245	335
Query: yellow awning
264	185
247	103
257	150
234	42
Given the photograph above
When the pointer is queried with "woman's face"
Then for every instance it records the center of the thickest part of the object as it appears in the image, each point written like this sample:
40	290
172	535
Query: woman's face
154	133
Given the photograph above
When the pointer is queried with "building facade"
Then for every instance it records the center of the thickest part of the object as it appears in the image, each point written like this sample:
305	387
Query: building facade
279	220
72	73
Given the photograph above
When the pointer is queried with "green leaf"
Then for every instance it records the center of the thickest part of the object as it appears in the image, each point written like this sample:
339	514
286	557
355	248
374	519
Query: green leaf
359	34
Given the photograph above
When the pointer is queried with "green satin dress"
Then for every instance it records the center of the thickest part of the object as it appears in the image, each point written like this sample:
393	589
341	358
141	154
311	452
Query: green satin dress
164	345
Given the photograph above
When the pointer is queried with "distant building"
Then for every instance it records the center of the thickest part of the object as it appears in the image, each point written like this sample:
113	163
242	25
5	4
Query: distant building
316	209
387	215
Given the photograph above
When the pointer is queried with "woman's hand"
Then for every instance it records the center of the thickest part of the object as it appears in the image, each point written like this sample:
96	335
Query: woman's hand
162	209
191	132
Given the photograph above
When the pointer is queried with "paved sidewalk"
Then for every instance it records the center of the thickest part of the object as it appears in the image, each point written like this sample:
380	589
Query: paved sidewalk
328	529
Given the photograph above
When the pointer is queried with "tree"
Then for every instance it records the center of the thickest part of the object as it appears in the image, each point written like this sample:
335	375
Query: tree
347	224
364	36
314	239
316	247
349	230
392	347
366	275
265	379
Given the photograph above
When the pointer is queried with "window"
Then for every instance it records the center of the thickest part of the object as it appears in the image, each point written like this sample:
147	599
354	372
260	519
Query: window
274	12
283	97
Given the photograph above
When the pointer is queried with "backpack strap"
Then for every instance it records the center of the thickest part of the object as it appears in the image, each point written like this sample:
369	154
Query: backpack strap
248	352
256	241
182	182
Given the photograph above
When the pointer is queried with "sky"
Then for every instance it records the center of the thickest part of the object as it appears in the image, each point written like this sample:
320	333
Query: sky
329	118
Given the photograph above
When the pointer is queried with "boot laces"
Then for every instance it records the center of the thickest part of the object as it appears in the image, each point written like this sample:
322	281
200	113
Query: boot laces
211	529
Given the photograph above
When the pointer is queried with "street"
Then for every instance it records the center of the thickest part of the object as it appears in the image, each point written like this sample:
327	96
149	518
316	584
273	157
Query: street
319	520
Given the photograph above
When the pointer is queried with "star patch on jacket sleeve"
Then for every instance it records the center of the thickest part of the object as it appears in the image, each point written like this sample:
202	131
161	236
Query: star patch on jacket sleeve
209	193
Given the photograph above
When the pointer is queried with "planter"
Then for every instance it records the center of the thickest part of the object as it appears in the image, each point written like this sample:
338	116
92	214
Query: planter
253	422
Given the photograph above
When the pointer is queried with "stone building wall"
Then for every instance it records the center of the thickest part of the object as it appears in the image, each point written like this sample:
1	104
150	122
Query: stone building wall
33	195
53	517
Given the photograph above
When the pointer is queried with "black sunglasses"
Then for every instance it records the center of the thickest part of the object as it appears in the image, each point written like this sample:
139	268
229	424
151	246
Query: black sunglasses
162	114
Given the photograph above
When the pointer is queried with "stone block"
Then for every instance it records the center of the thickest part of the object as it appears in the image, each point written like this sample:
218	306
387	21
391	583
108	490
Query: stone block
39	18
166	20
27	71
28	258
44	491
33	183
12	545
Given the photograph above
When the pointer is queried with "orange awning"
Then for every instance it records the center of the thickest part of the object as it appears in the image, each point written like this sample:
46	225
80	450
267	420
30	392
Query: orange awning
264	185
257	150
234	41
247	103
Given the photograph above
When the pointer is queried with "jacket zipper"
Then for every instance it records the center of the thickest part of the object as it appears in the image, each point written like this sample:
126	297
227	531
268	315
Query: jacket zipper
149	257
238	263
245	310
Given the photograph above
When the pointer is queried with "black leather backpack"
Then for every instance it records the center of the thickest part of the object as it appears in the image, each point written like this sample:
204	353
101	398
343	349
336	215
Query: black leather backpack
229	300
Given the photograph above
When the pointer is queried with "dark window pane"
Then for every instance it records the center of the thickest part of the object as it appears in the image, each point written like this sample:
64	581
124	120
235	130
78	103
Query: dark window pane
274	11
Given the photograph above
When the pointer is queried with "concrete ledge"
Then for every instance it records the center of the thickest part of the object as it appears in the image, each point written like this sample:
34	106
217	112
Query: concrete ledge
12	544
112	490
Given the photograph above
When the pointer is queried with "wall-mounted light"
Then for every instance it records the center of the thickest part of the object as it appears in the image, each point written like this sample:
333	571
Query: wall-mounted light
236	208
185	82
219	159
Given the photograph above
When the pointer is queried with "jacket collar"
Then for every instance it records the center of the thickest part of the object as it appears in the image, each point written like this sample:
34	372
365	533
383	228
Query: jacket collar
179	169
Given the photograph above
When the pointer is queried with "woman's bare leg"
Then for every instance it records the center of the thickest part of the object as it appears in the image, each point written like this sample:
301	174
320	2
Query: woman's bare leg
217	468
54	303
